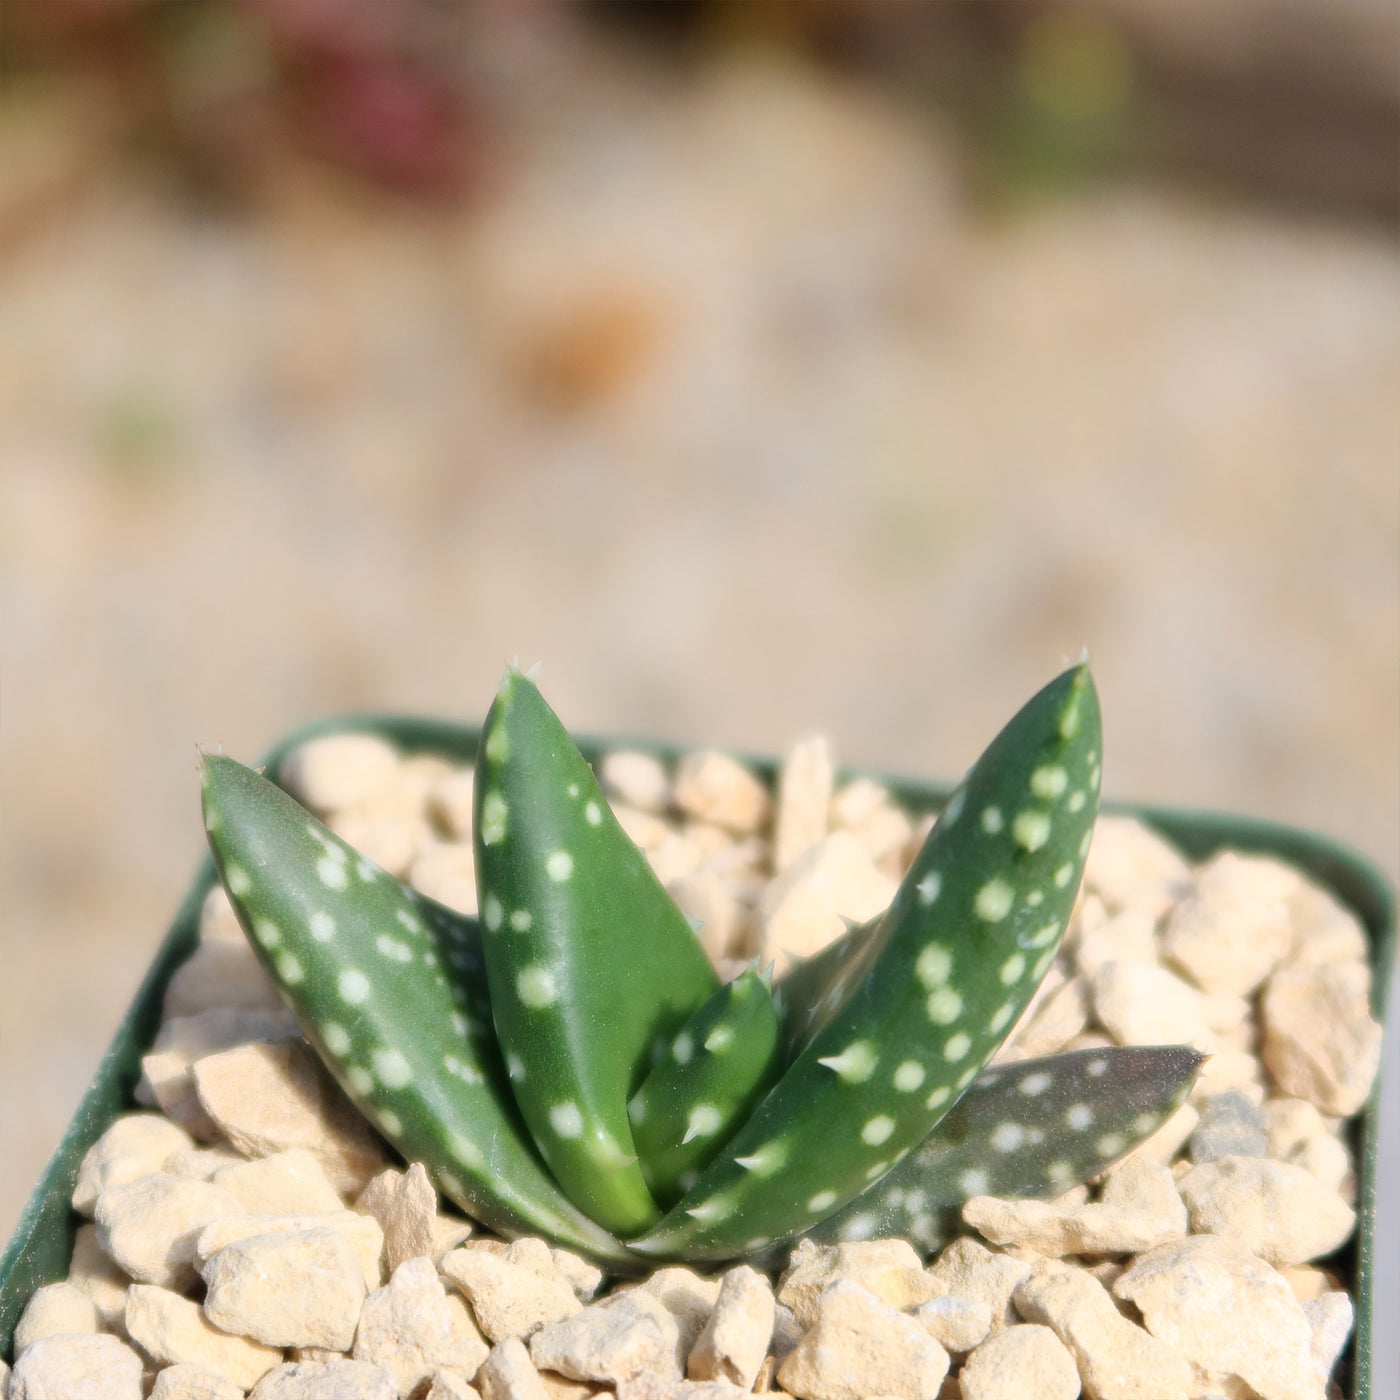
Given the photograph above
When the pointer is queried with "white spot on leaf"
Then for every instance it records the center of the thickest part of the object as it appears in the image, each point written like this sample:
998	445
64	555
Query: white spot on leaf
1049	781
393	1069
877	1129
535	987
994	900
566	1120
908	1076
353	986
944	1006
1007	1137
933	965
1031	830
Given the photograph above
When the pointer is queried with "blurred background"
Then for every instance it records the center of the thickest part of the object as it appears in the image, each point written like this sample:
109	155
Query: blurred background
759	367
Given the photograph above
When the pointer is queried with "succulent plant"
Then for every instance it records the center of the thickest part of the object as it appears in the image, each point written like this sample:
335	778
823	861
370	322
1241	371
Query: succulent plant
570	1065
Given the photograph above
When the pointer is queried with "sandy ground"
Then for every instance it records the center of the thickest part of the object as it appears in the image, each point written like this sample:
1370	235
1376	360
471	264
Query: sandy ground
728	408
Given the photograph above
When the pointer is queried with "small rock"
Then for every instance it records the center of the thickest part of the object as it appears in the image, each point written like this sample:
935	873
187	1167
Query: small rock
956	1324
269	1098
616	1340
1169	1139
92	1366
860	1347
291	1288
339	770
811	902
1331	1317
638	779
1127	937
135	1145
712	787
585	1278
1029	1360
405	1205
92	1271
173	1331
687	1296
1226	1071
217	921
325	1380
149	1226
392	840
361	1232
1142	1005
220	975
1215	1303
202	1163
446	871
450	803
735	1339
644	829
1327	1158
1052	1229
1144	1186
1229	1017
1291	1123
1324	930
1230	1126
708	901
515	1293
890	1269
412	1327
165	1071
886	834
1280	1212
287	1183
1117	1359
675	859
53	1310
1233	929
968	1269
651	1387
1308	1283
804	794
509	1374
1130	866
450	1385
856	801
1049	1022
186	1382
1320	1041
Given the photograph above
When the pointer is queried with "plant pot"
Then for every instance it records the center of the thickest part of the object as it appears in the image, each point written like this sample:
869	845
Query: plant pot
39	1250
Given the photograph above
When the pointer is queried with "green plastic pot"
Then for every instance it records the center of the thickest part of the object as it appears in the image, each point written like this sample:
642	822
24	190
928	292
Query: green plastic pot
42	1243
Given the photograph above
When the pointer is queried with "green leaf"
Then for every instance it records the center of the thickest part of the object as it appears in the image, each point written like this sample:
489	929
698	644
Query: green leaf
389	989
707	1081
590	962
921	1003
1028	1128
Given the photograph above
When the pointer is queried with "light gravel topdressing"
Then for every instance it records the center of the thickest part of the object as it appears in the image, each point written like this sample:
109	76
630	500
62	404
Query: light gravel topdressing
250	1236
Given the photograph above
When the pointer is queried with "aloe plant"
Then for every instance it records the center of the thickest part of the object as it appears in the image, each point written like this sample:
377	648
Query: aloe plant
570	1066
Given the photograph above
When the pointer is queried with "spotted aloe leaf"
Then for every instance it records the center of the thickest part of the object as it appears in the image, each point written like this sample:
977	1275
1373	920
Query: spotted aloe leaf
1029	1128
388	988
723	1060
923	1000
590	962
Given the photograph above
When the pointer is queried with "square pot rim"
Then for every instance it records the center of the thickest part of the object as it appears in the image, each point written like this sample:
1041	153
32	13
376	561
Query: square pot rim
40	1247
